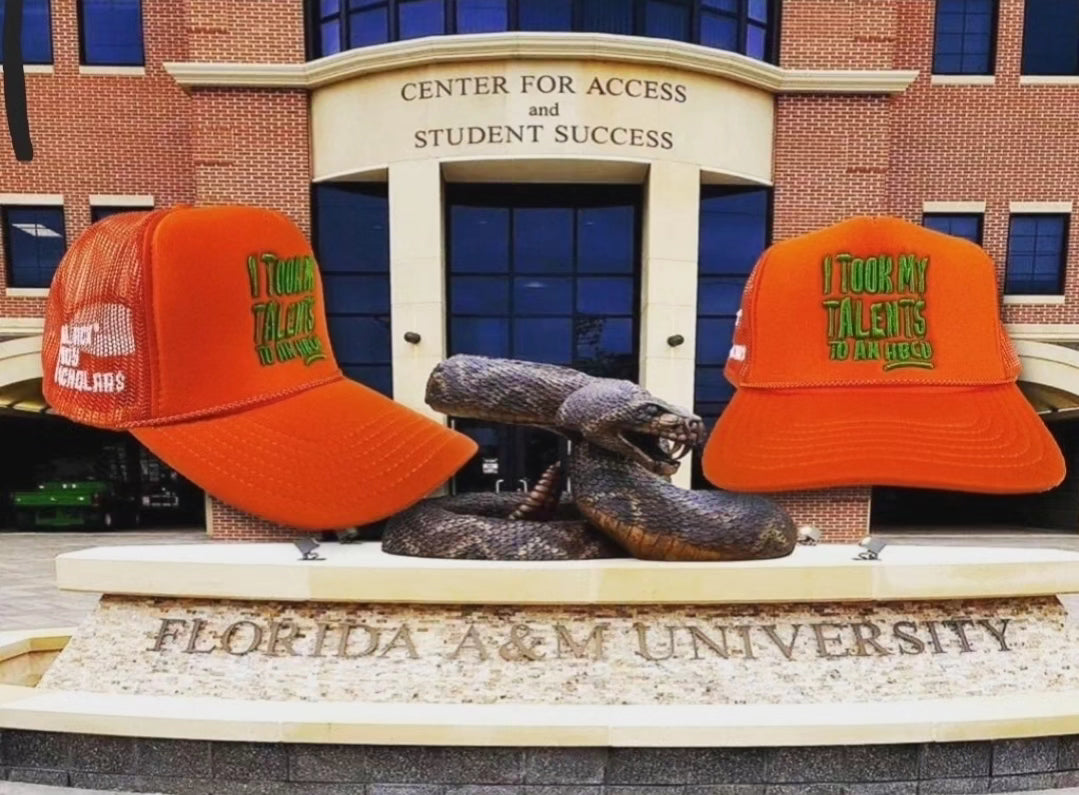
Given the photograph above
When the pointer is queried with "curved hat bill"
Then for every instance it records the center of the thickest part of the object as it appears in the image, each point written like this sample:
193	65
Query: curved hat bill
984	439
328	457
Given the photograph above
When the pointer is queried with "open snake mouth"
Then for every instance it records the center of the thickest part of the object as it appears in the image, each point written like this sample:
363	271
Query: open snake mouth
667	441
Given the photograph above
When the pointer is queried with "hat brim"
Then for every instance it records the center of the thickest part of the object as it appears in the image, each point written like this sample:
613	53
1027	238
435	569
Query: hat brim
333	456
983	439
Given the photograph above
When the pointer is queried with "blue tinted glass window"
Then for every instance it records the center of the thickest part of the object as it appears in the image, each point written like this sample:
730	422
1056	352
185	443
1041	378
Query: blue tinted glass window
351	238
482	16
377	376
963	37
480	295
539	295
720	295
329	37
745	26
543	339
35	239
551	15
1037	251
99	212
111	32
733	231
965	225
360	339
756	42
605	296
352	228
667	20
36	31
605	242
484	336
1051	37
607	16
417	18
368	24
712	386
596	337
355	293
714	339
480	239
719	31
543	239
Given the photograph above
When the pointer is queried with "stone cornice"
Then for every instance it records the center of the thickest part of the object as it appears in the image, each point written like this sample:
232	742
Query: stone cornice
540	46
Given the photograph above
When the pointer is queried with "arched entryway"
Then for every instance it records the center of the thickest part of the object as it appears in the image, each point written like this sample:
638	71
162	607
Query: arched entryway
1050	381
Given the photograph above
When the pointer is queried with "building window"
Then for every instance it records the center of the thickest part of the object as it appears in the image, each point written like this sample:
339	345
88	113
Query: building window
111	32
482	16
1037	251
553	15
964	37
34	241
965	225
1051	37
735	228
36	31
97	212
352	243
745	26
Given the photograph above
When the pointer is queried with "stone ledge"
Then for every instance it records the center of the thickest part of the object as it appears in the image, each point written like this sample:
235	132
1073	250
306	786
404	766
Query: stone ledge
542	45
426	770
363	573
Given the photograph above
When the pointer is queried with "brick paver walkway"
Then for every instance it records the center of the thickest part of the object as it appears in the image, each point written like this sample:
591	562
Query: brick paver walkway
29	597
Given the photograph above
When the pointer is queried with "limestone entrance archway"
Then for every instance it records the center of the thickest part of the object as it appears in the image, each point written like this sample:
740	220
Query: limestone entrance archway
1050	378
20	375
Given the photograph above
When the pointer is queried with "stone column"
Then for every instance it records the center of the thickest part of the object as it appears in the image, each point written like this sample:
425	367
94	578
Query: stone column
417	278
669	285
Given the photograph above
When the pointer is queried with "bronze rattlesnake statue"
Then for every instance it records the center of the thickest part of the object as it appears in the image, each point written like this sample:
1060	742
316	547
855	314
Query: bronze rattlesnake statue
626	444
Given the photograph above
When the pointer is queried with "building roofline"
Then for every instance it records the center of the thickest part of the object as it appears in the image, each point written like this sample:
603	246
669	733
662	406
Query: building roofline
540	46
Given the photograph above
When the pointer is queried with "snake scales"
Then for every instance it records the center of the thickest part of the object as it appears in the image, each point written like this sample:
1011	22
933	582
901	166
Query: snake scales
625	445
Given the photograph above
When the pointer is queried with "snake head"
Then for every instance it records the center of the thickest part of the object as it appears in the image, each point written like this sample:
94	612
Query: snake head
624	418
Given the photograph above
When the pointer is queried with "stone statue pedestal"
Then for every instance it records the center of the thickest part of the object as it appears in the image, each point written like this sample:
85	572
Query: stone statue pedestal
229	644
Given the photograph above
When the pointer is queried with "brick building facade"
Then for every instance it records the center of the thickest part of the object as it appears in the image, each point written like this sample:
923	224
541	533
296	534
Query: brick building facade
223	109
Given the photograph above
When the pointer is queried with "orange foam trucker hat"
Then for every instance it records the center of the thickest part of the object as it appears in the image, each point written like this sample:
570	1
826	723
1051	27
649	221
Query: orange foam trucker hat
872	353
203	332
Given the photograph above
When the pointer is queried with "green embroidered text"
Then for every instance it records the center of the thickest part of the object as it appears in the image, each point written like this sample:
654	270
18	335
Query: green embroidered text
284	308
875	309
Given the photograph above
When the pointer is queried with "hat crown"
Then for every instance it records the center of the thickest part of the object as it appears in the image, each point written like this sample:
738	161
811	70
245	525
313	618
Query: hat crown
183	313
871	301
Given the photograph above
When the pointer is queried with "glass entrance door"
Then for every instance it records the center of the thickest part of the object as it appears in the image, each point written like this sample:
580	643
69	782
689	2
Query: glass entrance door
546	274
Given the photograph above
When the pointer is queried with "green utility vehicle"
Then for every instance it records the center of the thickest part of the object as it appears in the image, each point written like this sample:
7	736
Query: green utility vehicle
55	504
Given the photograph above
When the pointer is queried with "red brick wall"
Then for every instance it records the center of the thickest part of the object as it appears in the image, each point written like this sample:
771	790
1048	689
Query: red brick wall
102	134
229	524
245	31
840	514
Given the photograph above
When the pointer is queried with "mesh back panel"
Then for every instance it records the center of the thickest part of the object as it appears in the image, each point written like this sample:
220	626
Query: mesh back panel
97	348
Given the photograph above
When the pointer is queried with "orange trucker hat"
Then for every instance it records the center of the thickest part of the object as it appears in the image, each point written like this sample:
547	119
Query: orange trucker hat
872	353
203	332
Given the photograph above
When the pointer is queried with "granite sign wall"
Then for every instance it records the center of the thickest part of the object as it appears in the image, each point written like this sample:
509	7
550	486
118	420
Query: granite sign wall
616	655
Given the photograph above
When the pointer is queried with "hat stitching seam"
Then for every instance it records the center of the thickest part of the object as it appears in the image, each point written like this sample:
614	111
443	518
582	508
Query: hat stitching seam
225	408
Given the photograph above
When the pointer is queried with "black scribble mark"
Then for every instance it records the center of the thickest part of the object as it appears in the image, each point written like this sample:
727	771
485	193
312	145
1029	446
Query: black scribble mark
15	83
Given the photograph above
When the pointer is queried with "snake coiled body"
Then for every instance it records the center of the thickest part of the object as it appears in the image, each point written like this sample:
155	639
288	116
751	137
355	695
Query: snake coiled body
626	444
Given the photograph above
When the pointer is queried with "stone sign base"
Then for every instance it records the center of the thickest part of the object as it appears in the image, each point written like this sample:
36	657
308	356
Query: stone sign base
632	654
200	767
